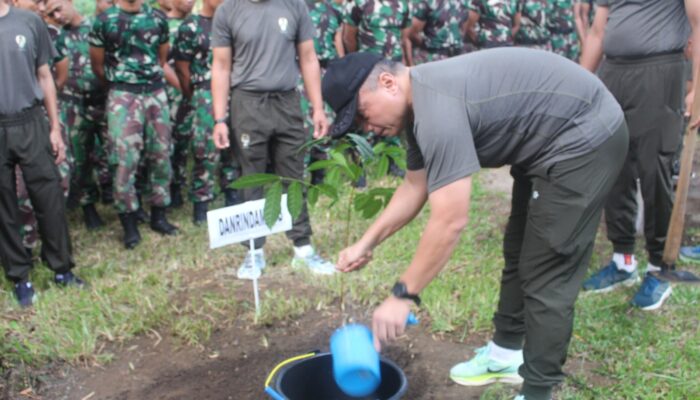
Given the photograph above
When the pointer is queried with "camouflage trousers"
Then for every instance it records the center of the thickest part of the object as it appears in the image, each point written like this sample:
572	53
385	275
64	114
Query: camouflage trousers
567	45
87	130
318	151
139	133
27	219
182	116
206	157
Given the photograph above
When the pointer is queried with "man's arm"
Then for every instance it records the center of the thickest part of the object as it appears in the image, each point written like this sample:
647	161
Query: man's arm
516	23
338	41
311	73
220	87
593	46
46	82
350	37
61	68
407	46
182	68
416	31
469	26
581	20
692	9
448	217
97	61
404	205
170	75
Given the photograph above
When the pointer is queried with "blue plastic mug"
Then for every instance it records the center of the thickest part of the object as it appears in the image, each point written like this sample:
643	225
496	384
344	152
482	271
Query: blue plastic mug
355	360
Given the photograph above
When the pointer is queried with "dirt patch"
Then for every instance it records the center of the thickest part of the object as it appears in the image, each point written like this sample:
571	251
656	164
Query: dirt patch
237	360
235	363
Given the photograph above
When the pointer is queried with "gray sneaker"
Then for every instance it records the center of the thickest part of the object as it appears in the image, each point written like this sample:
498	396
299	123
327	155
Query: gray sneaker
315	263
252	266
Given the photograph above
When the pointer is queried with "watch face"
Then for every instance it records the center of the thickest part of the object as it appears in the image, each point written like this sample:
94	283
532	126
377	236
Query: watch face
399	290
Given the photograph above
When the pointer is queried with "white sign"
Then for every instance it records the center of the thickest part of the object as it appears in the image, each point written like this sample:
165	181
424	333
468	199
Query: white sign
244	222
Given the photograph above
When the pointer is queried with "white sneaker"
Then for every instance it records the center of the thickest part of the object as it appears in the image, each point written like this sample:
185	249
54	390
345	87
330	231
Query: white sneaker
252	266
306	257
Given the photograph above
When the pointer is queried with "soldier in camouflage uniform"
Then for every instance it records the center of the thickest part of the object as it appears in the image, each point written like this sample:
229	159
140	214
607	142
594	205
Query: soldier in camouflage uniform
562	27
327	17
380	27
533	32
100	157
193	58
82	106
129	44
497	22
436	29
181	114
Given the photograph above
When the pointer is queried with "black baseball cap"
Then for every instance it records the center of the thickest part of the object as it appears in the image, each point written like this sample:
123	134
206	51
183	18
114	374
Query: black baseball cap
340	86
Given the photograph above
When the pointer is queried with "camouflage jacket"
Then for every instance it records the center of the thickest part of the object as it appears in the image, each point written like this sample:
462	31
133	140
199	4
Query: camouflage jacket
379	24
560	17
73	44
131	43
327	18
495	21
533	23
443	19
192	44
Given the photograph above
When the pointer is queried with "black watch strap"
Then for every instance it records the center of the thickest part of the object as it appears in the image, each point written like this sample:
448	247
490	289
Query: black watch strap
399	290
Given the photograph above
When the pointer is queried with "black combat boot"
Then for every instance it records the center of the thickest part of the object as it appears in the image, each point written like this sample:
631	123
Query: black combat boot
91	217
199	212
131	230
160	224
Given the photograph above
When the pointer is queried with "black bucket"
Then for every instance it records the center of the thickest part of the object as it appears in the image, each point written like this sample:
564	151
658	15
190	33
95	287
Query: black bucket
312	379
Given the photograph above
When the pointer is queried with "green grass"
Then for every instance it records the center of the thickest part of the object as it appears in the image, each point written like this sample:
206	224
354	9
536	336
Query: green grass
180	287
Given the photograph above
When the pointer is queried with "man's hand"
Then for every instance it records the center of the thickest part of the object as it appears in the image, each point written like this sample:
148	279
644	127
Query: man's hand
57	145
221	136
689	98
389	320
320	124
354	257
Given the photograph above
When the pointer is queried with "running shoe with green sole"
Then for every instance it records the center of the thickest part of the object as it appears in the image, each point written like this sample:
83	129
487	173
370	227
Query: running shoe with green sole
482	370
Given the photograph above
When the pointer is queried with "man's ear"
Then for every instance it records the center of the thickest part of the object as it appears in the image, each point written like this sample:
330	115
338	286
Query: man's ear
388	81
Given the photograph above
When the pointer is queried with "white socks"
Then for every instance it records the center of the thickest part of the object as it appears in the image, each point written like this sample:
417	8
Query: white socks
625	262
503	355
628	263
303	251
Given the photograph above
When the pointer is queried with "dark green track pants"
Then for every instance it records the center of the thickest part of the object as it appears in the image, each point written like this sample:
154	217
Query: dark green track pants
547	246
268	134
24	142
650	92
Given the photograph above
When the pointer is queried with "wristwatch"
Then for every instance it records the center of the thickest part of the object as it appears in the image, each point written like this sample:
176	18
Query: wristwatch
221	120
399	290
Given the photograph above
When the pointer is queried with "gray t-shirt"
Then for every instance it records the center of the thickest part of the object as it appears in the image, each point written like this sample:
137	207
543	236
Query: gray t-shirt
263	36
507	106
25	46
644	27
